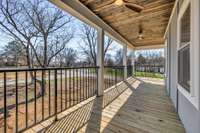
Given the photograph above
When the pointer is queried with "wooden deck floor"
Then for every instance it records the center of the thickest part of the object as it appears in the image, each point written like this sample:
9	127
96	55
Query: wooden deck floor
132	107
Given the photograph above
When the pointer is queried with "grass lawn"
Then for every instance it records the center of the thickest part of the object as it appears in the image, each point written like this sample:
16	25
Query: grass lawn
109	71
149	74
112	72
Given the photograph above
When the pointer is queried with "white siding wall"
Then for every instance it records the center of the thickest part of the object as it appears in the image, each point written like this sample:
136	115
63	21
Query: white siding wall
173	59
188	113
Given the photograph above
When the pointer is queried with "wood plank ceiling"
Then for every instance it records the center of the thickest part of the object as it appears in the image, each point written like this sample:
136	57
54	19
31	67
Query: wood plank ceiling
151	22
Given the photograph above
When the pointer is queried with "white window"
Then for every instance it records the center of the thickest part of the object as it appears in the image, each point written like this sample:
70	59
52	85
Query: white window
188	51
184	50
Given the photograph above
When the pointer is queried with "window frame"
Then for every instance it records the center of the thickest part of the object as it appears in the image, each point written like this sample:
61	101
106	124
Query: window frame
180	49
193	95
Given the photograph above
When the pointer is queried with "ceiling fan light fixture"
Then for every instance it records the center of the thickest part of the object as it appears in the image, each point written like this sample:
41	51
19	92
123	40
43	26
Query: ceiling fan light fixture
119	2
140	36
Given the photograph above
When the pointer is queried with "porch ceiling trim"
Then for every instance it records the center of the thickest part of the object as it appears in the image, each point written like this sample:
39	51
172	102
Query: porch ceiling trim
77	9
170	19
145	47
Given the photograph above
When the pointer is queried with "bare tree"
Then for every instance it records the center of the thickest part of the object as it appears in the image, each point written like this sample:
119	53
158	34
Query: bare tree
89	45
13	54
38	26
108	60
67	57
129	59
141	60
151	58
119	57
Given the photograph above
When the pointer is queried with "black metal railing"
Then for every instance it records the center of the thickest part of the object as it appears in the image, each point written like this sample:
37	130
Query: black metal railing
30	96
152	71
130	71
113	75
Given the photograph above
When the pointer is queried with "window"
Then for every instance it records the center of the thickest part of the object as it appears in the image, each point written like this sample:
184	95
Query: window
188	50
184	51
184	67
185	27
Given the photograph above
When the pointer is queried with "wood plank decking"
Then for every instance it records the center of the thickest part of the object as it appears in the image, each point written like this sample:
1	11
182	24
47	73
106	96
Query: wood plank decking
131	107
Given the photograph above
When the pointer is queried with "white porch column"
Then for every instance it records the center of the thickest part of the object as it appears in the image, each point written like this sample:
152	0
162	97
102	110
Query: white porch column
133	62
125	61
100	61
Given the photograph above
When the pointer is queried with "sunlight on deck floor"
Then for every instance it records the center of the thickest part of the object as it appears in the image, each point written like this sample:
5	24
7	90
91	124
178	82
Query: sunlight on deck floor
133	106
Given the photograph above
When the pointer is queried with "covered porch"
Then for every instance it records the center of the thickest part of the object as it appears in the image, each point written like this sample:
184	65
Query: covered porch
131	106
85	99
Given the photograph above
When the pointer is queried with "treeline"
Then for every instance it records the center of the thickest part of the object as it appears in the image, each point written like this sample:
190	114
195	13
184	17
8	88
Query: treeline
40	33
150	59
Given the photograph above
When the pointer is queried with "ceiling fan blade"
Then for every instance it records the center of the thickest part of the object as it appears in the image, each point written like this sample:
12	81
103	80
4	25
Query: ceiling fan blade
134	7
104	6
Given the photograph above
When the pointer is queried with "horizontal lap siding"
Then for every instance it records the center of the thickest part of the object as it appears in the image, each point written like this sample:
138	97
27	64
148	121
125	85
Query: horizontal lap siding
189	115
173	58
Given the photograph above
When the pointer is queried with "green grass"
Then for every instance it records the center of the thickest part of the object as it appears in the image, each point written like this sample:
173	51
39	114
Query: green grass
149	74
109	71
112	72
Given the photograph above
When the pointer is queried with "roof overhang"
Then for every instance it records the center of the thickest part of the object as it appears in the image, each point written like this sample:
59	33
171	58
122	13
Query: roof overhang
77	9
81	11
161	46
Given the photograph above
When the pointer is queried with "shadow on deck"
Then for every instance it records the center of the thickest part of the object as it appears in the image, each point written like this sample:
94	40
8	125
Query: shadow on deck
132	106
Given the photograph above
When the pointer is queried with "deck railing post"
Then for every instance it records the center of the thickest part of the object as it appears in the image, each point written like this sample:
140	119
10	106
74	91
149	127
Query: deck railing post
100	61
125	61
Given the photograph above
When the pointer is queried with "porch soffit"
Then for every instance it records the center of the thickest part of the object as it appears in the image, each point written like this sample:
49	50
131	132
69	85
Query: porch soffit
153	20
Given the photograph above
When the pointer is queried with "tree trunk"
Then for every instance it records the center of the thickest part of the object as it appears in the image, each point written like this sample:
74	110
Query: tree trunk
33	76
43	84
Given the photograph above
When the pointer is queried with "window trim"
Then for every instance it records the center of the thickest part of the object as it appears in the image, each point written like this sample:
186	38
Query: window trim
193	95
182	48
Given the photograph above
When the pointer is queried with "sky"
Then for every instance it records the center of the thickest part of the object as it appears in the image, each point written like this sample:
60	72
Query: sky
74	43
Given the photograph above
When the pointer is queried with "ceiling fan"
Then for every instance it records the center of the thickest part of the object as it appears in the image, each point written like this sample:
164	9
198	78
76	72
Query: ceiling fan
140	33
130	5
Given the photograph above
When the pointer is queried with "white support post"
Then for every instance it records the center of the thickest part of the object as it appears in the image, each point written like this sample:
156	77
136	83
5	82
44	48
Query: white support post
125	61
100	61
133	62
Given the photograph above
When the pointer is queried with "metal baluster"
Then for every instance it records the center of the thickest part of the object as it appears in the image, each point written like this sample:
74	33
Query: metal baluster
26	103
109	79
49	78
93	81
35	98
43	88
70	92
5	105
16	100
55	80
112	76
80	85
115	70
87	84
77	97
65	89
96	81
83	83
73	88
61	90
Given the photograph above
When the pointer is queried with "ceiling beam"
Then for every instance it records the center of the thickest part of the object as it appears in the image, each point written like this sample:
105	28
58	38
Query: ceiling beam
146	47
147	15
170	19
147	9
77	9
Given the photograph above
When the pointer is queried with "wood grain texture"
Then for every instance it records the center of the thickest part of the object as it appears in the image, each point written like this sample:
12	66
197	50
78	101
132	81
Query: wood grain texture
131	107
154	19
